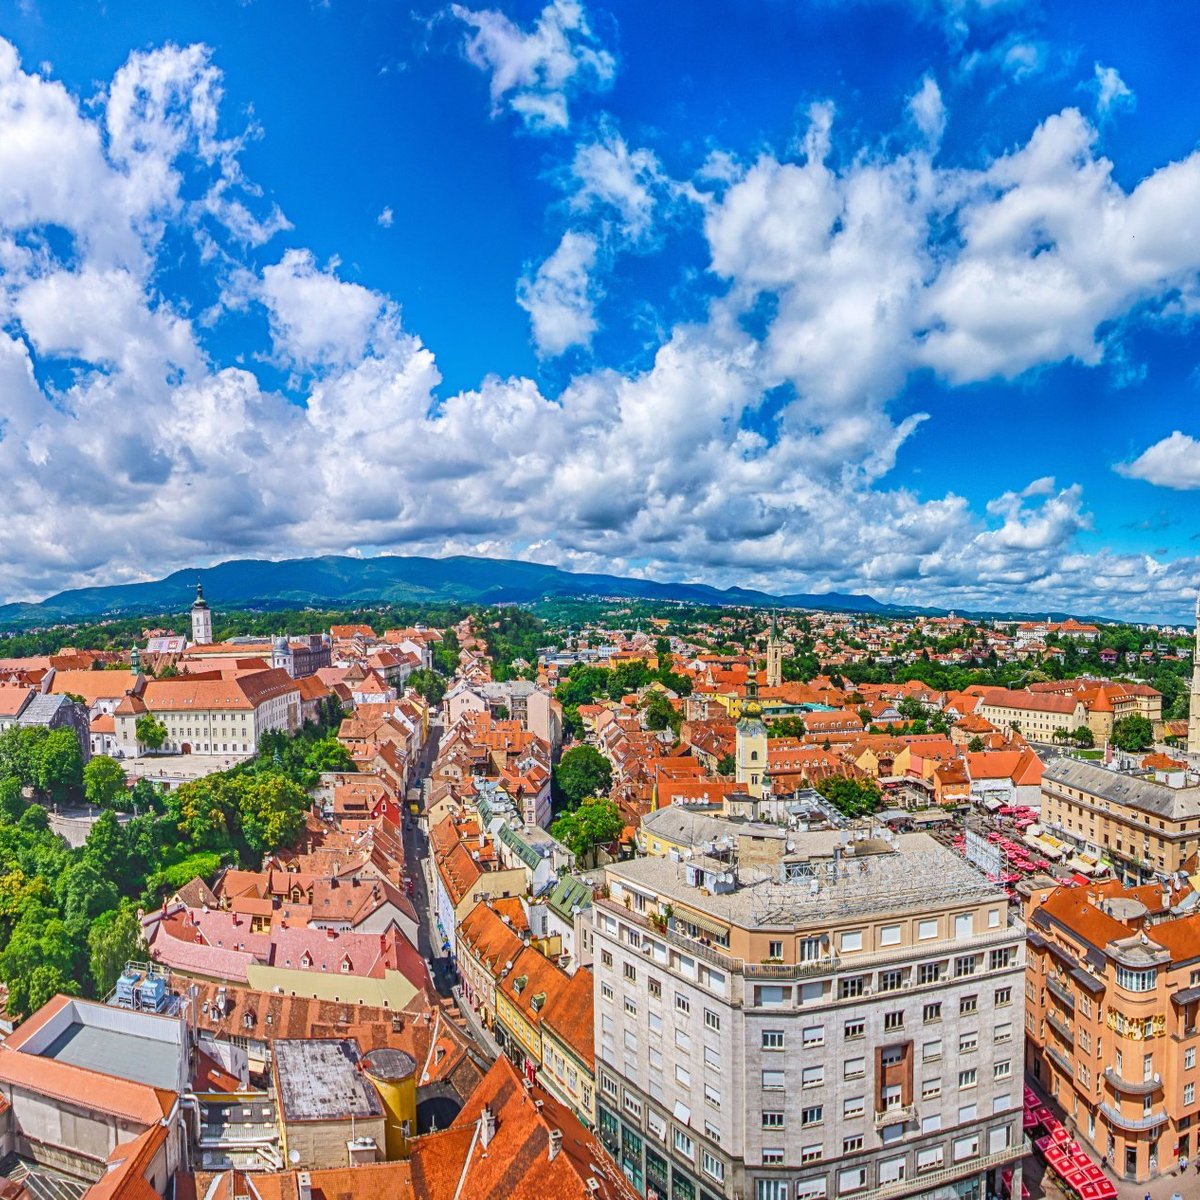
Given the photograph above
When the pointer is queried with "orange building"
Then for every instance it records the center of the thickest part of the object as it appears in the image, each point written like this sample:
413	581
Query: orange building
1111	999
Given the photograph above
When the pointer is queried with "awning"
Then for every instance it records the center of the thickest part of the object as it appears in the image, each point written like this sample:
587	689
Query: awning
689	917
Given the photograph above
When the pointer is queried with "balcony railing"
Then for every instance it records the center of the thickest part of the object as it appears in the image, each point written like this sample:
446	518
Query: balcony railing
1133	1087
1061	1028
928	1182
1060	991
1148	1121
896	1115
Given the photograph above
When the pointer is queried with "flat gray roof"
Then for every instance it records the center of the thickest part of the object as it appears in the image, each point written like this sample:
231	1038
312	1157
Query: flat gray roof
319	1080
1131	791
123	1055
918	872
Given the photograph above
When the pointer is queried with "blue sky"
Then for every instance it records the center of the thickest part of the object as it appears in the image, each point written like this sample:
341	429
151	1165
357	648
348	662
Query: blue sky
895	297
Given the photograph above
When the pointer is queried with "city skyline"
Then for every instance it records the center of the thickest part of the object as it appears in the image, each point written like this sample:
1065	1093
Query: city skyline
882	297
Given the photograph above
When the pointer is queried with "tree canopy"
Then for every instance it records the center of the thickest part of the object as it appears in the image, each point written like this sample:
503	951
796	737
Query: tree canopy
1133	733
596	822
581	772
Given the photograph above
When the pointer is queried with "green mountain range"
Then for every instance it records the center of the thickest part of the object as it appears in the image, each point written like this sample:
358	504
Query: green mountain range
344	582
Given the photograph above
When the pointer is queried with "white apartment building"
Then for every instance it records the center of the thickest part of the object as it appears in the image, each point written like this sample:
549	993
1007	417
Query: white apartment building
845	1022
212	715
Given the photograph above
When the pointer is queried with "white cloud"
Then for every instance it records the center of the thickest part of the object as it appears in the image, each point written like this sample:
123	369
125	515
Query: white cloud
147	455
1173	462
385	218
618	180
560	297
928	110
535	71
318	320
1112	92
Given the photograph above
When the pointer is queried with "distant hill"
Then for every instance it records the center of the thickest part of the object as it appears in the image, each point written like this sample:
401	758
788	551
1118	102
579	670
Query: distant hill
341	582
335	581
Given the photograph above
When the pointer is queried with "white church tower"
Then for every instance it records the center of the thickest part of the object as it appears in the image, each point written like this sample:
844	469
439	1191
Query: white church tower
1193	742
201	619
750	752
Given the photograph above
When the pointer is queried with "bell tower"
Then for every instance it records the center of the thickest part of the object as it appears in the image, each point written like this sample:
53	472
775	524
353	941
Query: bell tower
774	656
1193	742
750	747
201	619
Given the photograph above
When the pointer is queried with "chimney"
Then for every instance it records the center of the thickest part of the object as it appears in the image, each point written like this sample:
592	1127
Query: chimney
487	1126
304	1186
555	1144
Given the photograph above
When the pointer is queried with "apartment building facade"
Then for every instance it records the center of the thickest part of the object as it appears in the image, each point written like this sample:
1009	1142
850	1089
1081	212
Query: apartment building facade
1143	827
847	1023
1112	998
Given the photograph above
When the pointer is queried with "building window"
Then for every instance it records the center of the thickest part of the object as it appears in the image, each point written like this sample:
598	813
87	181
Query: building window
684	1144
853	1029
772	1118
932	1012
812	1115
682	1003
772	1158
931	1051
893	1020
889	935
1136	980
927	929
891	981
711	1019
813	1035
931	1089
1004	1033
630	1007
999	959
1189	1093
854	1068
851	1145
773	1081
852	941
606	958
968	1042
654	987
968	1004
630	972
712	1096
855	1106
929	973
772	1039
849	988
965	965
967	1078
713	1167
1002	1070
811	1154
775	950
812	1077
1004	996
1189	1058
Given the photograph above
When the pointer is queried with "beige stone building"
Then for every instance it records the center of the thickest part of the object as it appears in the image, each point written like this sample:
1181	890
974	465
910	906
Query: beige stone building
1140	824
847	1023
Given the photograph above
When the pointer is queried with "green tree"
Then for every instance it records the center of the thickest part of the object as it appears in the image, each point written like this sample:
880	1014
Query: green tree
851	797
975	745
60	763
727	766
114	938
107	846
596	822
786	727
150	731
1082	737
660	713
272	813
12	803
104	783
1133	733
21	753
83	893
327	754
431	686
582	771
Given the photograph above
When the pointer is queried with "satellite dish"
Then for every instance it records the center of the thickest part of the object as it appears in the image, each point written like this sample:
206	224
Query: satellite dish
293	1157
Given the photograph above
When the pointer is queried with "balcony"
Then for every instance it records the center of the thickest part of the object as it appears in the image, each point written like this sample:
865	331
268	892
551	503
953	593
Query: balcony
1185	1034
1061	1028
1149	1121
897	1114
1132	1087
1063	994
927	1182
1061	1061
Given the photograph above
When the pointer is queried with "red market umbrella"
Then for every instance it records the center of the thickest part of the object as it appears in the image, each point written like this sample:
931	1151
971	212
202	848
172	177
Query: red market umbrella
1045	1116
1081	1160
1060	1134
1102	1189
1043	1144
1030	1123
1075	1179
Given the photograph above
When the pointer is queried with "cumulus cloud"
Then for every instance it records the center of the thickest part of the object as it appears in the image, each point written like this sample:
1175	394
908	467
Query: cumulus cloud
535	71
928	110
1112	92
621	182
559	298
683	468
1173	462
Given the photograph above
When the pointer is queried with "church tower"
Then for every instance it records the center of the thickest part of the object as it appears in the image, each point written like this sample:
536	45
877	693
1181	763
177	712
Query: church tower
201	619
750	748
1193	742
774	656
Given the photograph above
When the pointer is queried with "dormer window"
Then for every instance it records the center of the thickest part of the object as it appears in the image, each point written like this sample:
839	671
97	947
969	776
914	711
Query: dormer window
306	959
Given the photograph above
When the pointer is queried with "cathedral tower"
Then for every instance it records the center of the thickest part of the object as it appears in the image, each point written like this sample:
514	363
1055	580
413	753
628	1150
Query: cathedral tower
201	619
1193	742
774	656
750	748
